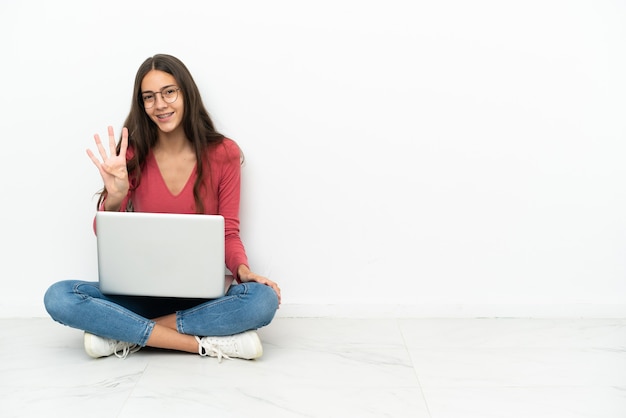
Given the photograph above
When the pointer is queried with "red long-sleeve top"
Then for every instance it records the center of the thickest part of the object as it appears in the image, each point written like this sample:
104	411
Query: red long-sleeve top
220	197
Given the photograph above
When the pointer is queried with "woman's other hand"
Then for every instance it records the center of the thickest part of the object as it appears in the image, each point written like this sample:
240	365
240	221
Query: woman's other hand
245	275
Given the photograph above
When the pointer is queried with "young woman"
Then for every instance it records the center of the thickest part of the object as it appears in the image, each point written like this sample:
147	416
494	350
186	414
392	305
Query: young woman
170	159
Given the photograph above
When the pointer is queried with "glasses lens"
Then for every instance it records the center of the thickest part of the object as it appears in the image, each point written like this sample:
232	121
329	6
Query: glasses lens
148	100
170	94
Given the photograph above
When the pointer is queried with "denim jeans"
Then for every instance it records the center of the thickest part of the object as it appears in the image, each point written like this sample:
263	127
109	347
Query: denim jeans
80	304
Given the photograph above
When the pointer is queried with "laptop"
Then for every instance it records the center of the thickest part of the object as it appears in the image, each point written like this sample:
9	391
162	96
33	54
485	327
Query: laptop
161	254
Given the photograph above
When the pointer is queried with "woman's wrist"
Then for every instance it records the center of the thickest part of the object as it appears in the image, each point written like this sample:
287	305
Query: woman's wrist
243	271
113	203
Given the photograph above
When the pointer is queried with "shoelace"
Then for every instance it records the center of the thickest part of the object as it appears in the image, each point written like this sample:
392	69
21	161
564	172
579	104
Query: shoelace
208	348
125	349
216	350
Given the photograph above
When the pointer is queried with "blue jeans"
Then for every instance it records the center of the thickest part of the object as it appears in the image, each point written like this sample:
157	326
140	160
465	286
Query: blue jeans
80	304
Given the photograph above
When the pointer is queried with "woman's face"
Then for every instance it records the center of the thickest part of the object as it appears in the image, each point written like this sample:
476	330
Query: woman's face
157	89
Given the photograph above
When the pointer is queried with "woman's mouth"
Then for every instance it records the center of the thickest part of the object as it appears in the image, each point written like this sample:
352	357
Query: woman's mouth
165	116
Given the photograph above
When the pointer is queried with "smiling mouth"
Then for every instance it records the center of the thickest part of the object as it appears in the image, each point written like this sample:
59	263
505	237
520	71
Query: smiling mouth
165	116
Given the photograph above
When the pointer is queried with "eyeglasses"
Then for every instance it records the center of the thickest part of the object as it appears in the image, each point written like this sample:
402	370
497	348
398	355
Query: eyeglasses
169	95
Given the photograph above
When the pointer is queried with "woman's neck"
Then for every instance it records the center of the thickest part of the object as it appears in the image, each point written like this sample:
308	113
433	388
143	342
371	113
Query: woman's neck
172	142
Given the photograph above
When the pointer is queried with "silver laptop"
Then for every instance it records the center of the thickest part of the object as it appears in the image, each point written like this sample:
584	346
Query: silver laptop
157	254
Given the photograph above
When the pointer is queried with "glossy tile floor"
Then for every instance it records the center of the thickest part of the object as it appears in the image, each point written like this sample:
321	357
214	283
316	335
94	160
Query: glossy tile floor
457	368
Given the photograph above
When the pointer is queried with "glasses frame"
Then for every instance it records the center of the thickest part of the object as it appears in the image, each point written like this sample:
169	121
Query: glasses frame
154	93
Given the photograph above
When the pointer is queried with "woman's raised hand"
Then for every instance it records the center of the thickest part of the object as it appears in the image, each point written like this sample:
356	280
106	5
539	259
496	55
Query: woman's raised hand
113	166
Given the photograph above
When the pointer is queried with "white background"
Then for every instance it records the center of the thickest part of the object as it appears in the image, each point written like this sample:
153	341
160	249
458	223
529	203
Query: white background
450	158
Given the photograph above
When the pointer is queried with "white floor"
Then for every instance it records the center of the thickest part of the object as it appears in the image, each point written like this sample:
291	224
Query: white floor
331	368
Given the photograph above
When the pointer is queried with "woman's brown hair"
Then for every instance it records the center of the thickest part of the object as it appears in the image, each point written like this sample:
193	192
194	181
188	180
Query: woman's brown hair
142	132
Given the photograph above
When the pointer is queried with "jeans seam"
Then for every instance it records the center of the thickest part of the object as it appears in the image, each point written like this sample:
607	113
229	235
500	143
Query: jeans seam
147	323
217	302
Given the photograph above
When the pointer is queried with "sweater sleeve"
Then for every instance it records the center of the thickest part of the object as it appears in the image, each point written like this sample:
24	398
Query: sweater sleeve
228	197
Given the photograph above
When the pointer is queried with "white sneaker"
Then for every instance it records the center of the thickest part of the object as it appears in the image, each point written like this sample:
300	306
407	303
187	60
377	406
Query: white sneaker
103	347
246	345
